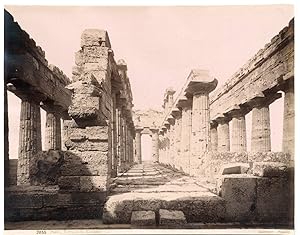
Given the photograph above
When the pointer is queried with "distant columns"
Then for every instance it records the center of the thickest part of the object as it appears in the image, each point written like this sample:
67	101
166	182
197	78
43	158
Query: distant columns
138	144
30	144
223	133
155	145
52	131
261	133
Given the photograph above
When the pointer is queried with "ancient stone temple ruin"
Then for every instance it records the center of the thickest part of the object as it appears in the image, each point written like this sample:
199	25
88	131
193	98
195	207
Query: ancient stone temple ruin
201	174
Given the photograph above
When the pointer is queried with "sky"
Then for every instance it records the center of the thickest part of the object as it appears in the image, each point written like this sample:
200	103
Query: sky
160	44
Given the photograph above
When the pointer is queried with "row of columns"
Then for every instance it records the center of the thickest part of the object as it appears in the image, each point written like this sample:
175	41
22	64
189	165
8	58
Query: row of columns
30	140
138	145
124	139
261	130
199	134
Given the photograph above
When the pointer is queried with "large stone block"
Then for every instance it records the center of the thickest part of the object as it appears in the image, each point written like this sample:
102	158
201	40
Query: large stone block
87	146
93	183
142	219
270	169
269	157
94	37
234	168
69	183
23	200
239	192
275	202
171	218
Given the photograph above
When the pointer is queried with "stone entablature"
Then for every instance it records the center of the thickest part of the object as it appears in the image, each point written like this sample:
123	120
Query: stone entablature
265	72
26	68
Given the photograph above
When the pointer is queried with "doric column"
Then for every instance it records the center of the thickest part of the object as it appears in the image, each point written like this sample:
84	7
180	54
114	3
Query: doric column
214	135
261	132
238	129
121	141
186	129
138	144
114	136
30	144
155	142
52	131
223	133
288	142
200	85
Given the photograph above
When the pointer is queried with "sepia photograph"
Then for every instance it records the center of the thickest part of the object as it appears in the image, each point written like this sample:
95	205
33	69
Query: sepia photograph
149	119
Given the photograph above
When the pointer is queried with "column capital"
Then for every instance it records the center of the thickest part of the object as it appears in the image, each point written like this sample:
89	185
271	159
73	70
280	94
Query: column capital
237	111
200	82
183	102
213	124
175	112
171	120
221	118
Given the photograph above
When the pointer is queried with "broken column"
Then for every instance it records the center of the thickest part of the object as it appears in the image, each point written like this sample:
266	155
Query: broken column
223	133
30	144
199	86
261	132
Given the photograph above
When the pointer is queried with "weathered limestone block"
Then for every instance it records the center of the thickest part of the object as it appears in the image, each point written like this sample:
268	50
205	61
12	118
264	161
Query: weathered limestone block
275	202
270	169
94	37
269	157
235	168
239	192
171	218
143	218
48	168
69	183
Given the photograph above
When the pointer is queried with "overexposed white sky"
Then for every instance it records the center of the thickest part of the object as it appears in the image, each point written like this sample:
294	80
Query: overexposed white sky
160	44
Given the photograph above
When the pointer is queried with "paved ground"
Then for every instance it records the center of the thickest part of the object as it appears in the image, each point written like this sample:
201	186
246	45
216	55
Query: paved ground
153	177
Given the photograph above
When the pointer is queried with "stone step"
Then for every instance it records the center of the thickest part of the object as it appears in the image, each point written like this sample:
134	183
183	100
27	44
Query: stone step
143	219
171	219
196	206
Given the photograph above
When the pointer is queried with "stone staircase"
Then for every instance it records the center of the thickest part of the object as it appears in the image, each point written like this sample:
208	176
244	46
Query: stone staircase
152	191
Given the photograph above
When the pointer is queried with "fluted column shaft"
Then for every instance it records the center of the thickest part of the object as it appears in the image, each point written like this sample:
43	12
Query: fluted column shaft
261	133
288	143
214	137
238	134
52	131
30	144
6	140
138	143
155	143
200	140
186	130
223	136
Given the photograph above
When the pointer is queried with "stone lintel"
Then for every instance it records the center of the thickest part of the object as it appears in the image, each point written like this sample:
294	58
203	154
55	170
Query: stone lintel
221	118
199	81
237	111
261	99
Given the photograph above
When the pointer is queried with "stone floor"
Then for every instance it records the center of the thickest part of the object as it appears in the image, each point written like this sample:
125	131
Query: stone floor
151	187
153	177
